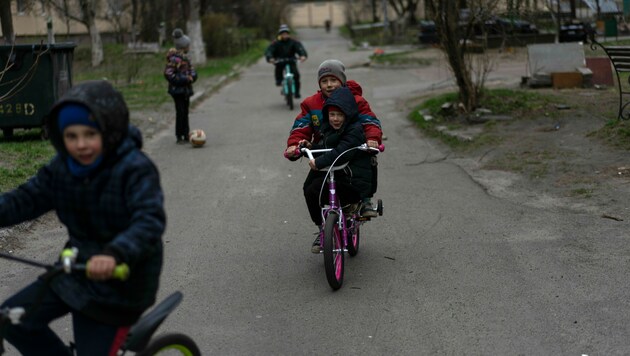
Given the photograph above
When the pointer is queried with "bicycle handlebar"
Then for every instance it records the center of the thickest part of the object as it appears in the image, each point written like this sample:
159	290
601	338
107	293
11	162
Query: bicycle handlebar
309	153
284	60
68	258
68	265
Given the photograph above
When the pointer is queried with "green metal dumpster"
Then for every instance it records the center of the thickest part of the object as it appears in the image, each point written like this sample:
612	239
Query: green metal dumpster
32	78
610	27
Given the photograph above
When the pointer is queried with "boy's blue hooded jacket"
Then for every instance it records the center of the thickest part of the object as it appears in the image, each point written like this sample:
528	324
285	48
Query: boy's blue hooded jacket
117	210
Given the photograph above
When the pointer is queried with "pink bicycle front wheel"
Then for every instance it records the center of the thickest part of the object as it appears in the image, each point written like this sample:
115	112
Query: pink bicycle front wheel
333	251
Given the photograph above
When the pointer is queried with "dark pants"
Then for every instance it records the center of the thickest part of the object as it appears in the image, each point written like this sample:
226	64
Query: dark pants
347	195
34	337
182	103
294	70
374	176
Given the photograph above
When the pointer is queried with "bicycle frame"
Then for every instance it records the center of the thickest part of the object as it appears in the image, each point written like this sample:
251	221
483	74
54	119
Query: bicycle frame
336	233
334	203
288	84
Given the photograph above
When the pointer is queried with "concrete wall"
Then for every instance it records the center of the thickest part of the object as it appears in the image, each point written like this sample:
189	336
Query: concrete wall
34	22
314	14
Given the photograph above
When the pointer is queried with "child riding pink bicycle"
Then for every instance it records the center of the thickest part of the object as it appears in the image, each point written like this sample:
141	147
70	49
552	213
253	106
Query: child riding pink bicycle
343	169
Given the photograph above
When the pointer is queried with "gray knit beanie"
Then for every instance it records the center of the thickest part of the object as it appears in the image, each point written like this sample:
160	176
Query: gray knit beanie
181	40
284	28
332	67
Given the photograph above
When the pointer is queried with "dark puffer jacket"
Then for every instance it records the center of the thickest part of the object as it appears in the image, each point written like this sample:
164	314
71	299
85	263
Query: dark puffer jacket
117	210
282	49
180	73
350	135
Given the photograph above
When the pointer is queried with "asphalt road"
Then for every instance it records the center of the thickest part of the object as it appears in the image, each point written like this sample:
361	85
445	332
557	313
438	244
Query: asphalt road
448	269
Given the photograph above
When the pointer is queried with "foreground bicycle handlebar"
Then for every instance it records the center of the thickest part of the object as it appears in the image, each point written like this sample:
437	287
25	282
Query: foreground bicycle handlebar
139	340
68	265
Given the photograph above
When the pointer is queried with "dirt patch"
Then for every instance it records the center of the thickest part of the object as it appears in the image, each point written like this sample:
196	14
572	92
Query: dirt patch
553	159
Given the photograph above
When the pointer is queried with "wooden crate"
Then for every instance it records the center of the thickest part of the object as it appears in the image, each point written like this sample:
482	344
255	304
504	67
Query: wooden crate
563	80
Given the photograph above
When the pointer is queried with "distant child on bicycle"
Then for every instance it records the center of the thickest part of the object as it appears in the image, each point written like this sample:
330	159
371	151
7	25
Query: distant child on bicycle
340	130
331	76
180	74
285	47
107	193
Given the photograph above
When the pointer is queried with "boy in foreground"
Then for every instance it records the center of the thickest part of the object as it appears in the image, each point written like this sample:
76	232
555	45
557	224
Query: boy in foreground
107	193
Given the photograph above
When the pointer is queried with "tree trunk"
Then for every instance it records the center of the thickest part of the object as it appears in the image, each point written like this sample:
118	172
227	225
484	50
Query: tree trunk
197	50
7	21
97	45
87	10
446	17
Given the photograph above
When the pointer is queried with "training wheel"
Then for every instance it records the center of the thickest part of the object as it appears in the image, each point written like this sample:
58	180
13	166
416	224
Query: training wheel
379	207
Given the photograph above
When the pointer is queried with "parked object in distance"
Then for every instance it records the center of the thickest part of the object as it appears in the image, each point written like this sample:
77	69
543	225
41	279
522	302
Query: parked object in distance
427	33
574	32
515	26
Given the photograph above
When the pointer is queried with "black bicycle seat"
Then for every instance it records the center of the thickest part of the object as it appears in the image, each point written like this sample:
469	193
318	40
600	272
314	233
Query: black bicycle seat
141	332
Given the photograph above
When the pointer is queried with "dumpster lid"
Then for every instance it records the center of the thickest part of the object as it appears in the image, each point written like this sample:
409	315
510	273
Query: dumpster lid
62	45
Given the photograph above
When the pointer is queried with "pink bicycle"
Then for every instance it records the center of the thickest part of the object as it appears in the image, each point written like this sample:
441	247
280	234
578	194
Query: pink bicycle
341	231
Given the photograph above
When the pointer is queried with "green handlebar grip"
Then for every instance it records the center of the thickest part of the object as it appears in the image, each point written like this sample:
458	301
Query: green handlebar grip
67	252
121	272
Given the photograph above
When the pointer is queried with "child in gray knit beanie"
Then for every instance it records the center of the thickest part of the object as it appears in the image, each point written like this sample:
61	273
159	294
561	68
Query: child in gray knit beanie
334	68
182	42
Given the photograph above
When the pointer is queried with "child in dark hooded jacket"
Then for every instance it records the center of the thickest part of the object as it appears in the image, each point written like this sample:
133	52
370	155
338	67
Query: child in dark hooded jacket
354	181
107	193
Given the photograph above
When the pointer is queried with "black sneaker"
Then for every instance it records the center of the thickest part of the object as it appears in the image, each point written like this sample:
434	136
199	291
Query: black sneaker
367	210
317	246
297	96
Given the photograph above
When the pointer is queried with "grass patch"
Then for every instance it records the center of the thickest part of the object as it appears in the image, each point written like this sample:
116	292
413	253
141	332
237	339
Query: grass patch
21	157
401	58
581	192
532	163
140	79
615	133
431	119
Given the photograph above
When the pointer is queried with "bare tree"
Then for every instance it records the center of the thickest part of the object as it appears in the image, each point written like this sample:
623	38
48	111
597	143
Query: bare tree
193	27
456	33
118	14
7	21
405	9
84	12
